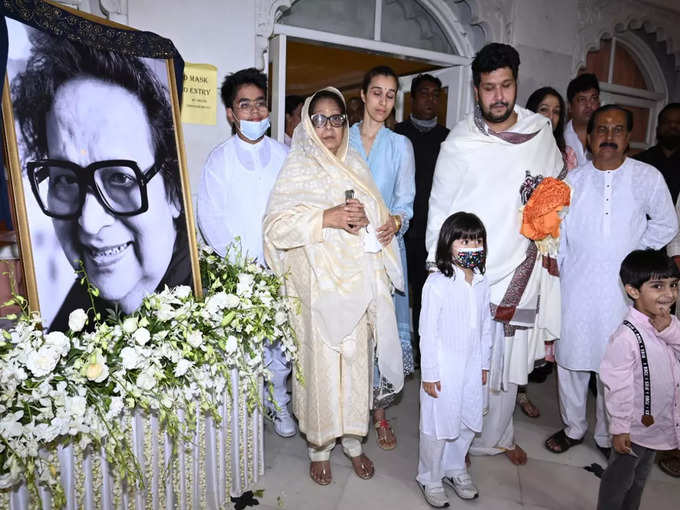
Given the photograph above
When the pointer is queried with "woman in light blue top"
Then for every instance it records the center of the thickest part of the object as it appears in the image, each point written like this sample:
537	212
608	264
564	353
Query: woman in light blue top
392	163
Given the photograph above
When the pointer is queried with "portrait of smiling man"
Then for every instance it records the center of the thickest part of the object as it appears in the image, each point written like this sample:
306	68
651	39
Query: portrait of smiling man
100	157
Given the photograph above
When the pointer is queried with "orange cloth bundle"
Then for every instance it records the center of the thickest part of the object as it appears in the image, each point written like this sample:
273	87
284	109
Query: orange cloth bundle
541	218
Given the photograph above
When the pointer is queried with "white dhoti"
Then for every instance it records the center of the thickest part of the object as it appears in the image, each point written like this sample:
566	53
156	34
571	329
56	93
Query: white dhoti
498	434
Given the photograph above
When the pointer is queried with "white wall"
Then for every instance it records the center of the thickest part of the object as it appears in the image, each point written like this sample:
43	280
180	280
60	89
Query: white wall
217	32
544	34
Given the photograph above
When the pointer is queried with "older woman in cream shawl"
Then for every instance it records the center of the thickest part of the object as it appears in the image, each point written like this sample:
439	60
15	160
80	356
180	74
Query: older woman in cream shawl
326	247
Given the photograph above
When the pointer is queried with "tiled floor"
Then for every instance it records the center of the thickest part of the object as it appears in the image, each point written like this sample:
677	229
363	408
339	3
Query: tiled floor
548	481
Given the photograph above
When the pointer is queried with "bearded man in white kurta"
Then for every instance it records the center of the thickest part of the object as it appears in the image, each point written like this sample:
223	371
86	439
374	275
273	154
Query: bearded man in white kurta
481	168
237	179
618	205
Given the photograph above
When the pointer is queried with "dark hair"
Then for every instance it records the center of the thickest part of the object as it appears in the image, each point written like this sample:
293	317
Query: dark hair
582	83
234	81
460	225
327	94
494	56
607	108
293	102
378	71
640	266
666	109
55	61
532	104
422	78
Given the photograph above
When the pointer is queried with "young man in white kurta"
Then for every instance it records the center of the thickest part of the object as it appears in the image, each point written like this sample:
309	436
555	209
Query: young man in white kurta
614	210
480	169
583	97
237	179
455	343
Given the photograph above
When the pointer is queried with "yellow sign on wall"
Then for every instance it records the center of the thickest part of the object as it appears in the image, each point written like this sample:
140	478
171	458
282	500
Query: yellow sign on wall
199	95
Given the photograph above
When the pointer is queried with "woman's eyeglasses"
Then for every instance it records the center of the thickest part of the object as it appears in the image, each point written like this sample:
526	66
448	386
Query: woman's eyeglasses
319	120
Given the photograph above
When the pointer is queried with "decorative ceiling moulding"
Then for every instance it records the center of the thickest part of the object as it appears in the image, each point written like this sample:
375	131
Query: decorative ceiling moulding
115	10
454	30
606	18
495	17
266	14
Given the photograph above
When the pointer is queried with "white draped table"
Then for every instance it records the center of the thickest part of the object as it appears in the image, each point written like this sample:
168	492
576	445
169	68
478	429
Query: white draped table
222	461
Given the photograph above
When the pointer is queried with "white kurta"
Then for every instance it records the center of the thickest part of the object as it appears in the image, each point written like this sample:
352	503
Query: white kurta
455	345
571	139
612	213
235	186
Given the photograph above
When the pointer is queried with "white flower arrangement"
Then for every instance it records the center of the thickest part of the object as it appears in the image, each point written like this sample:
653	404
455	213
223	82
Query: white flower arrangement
175	352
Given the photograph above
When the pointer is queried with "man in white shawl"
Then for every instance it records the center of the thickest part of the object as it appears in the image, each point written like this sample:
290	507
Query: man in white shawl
618	205
319	232
481	168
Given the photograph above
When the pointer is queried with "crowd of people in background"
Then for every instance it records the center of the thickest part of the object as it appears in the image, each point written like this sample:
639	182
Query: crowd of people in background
403	248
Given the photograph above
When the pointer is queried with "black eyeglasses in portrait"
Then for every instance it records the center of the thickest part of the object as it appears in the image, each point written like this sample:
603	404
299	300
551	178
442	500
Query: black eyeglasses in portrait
60	187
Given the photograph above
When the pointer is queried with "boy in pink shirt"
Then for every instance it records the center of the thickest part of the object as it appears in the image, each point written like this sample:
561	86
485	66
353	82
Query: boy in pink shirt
640	372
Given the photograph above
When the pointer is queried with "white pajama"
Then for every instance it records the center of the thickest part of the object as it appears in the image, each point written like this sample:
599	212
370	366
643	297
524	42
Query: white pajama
442	457
351	445
276	362
573	390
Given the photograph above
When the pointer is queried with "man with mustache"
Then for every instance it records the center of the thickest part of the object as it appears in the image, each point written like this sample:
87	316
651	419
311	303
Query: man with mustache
618	205
481	167
583	94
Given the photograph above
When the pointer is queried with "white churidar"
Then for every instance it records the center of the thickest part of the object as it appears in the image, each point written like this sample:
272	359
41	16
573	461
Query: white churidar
455	345
573	390
442	457
612	213
235	185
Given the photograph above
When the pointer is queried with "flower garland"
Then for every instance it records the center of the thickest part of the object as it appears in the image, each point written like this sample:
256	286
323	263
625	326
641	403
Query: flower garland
175	352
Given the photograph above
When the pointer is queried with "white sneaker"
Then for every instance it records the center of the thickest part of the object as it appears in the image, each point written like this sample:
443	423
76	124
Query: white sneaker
435	496
463	485
284	424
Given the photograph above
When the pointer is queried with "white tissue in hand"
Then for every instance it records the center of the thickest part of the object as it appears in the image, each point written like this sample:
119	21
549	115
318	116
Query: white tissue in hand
371	243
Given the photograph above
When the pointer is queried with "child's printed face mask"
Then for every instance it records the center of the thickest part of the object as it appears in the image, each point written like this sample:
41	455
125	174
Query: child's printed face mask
469	258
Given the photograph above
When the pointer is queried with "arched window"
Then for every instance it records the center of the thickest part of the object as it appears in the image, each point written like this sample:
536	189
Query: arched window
630	75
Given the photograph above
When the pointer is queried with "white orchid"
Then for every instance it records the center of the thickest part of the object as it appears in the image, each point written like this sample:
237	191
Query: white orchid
141	336
195	339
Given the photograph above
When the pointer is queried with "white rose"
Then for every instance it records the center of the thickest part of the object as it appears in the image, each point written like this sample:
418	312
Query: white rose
231	301
77	319
195	339
76	405
59	340
182	291
231	345
244	287
141	336
182	366
130	358
130	325
280	318
165	312
145	380
42	361
96	369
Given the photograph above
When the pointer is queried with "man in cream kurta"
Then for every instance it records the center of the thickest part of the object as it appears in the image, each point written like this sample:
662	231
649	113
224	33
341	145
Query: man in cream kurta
481	167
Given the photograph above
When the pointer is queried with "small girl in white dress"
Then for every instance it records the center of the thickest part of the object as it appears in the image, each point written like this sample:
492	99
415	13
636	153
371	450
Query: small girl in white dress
455	351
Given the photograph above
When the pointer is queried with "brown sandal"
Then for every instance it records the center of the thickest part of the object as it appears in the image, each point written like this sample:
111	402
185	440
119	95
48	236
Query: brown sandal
382	428
363	466
325	474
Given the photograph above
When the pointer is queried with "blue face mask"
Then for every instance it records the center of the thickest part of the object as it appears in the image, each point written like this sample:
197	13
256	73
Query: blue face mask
252	130
470	258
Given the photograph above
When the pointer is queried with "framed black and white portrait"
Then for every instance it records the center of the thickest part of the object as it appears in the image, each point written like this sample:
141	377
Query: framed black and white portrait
97	170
